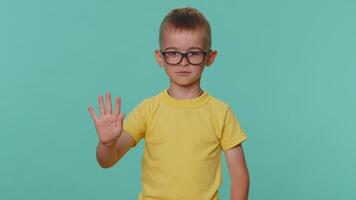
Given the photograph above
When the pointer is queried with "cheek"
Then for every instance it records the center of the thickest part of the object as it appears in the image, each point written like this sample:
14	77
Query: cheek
169	70
198	70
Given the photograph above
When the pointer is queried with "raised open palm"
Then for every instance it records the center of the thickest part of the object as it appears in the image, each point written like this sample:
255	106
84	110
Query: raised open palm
108	125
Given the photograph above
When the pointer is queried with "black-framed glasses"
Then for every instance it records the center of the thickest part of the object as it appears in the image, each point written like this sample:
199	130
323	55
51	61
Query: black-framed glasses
175	57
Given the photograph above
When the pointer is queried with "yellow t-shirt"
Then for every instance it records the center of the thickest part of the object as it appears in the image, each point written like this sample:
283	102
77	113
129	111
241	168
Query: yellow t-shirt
183	144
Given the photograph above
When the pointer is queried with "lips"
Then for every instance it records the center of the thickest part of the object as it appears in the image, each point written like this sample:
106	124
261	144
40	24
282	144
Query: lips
183	72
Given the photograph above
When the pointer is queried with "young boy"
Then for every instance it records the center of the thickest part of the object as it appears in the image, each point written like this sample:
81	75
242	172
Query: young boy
185	128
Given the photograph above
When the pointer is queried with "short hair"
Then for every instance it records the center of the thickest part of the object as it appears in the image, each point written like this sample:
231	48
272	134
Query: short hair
188	19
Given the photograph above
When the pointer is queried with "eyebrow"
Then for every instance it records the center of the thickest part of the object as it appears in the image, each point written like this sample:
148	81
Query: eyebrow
190	48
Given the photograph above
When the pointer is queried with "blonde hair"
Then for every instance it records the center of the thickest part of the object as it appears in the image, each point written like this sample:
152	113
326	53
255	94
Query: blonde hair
187	19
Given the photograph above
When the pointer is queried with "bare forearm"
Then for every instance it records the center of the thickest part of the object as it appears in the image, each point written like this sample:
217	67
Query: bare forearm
240	187
105	155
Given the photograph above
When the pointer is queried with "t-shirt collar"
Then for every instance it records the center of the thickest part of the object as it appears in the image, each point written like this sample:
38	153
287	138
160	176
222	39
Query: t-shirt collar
184	103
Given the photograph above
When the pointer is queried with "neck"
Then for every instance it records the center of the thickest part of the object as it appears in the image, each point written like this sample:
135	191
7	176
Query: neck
184	92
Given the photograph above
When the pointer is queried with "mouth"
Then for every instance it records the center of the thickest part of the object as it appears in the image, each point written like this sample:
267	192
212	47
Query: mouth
183	73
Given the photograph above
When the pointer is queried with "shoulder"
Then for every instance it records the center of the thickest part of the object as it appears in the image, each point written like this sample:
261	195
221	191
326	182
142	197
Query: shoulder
218	105
151	101
149	104
222	110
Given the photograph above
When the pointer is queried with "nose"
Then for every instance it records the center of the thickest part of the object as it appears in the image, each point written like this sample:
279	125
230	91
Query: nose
184	61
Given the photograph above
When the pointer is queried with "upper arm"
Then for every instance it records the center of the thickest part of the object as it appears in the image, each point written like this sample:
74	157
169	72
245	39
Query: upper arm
232	134
124	143
136	122
236	162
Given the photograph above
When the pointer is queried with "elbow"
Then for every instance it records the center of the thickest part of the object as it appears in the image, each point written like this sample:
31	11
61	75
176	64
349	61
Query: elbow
106	165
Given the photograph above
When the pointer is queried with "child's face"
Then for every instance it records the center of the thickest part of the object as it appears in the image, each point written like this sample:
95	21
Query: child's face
184	41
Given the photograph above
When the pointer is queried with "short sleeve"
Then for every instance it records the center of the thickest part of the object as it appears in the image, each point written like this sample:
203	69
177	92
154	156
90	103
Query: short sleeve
135	123
232	134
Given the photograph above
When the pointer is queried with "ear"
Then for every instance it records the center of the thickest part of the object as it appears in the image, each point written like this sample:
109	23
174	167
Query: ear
159	58
211	57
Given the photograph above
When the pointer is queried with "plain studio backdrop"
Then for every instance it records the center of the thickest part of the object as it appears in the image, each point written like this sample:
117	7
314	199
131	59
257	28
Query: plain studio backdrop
286	67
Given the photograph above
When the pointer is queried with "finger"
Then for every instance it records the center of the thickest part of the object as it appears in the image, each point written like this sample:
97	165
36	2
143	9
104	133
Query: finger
101	105
118	105
108	103
92	113
119	118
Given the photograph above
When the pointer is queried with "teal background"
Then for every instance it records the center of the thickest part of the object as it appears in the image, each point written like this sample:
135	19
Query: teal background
287	68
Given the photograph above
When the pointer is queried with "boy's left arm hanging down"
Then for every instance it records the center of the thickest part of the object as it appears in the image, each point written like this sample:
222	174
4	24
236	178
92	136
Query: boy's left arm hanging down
238	173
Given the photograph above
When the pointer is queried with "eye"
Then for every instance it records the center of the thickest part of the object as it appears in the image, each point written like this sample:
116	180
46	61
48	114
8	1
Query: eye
171	53
195	53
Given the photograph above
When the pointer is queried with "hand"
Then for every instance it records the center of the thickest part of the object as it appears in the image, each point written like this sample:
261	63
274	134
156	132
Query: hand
108	126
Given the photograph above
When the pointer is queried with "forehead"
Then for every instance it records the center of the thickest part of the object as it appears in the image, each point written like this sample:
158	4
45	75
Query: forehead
183	39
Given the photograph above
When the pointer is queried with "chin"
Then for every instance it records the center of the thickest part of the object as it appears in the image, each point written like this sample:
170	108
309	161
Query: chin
184	82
